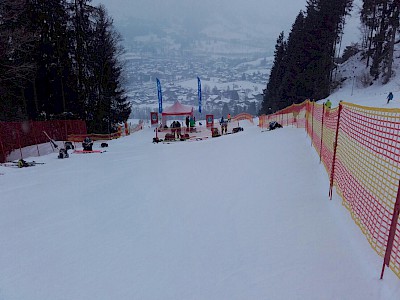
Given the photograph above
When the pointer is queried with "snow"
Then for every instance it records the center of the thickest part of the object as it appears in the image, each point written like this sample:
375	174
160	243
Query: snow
355	91
242	216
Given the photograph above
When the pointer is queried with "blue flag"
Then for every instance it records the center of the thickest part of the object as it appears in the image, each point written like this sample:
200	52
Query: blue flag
159	96
199	92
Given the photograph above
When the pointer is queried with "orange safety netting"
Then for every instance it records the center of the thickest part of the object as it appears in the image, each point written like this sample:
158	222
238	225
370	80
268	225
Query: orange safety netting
360	149
243	116
367	172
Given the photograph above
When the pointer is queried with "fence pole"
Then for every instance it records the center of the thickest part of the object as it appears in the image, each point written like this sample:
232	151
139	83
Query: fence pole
322	133
2	150
32	126
307	115
392	232
312	123
334	153
287	119
19	142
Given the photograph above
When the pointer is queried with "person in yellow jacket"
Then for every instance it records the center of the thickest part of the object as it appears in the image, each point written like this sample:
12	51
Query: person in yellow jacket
328	104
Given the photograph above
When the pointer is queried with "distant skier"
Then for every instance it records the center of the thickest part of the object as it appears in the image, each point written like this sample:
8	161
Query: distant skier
389	97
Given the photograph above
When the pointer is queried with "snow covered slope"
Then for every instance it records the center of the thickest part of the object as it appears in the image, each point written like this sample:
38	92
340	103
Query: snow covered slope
243	216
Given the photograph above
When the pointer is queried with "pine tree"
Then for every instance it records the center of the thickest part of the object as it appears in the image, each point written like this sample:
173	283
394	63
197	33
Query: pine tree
107	100
294	81
324	26
368	18
393	27
273	91
49	20
17	67
82	27
381	20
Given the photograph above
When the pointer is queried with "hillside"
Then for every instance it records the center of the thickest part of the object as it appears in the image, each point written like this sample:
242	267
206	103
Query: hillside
358	88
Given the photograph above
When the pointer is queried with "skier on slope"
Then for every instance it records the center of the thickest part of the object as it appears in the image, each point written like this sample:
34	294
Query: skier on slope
389	97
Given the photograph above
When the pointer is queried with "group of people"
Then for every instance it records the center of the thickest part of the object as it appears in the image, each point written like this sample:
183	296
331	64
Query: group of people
190	121
176	128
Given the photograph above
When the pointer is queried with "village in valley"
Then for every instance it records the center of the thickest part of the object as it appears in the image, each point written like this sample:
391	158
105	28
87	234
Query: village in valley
231	83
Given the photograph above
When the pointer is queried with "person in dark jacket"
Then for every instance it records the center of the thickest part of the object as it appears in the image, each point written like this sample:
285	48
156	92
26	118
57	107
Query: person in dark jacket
87	144
389	97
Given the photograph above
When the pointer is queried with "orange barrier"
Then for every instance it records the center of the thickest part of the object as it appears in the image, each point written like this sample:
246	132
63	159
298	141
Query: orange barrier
93	137
360	149
109	136
243	116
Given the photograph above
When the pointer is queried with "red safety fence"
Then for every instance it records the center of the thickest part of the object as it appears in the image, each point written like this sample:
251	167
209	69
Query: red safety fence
360	149
16	135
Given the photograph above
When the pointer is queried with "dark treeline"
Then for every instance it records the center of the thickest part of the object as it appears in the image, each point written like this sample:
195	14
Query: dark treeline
380	20
304	62
60	59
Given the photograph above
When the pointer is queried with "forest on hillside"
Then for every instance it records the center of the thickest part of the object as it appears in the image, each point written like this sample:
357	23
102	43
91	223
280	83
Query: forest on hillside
305	61
60	59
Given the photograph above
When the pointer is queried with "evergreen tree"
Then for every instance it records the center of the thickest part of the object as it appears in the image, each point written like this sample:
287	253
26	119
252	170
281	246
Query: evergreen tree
305	67
17	67
295	81
324	26
82	28
393	27
368	18
381	20
107	100
49	20
272	93
60	57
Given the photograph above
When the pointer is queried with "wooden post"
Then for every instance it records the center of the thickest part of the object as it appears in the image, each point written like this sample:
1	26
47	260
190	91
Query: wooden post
334	153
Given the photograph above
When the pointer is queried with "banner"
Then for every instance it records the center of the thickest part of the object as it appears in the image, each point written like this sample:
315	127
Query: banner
159	96
210	120
154	118
199	92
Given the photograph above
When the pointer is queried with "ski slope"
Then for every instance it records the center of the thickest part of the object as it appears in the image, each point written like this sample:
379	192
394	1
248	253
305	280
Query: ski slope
242	216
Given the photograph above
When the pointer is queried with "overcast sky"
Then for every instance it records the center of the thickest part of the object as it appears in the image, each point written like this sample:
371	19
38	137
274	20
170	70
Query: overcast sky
276	15
282	11
268	16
